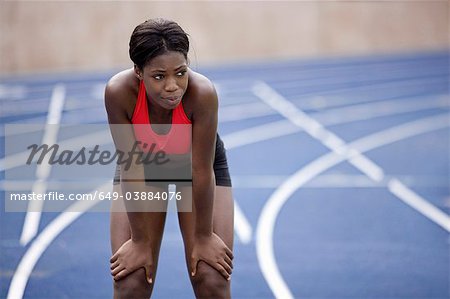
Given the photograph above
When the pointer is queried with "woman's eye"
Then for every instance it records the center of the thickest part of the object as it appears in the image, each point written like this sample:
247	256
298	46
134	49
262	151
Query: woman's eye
158	77
180	74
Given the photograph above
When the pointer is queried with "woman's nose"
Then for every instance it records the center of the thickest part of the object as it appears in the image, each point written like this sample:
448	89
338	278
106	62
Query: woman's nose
171	85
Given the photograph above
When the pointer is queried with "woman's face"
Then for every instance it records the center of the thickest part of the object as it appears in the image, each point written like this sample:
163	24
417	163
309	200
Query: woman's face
166	79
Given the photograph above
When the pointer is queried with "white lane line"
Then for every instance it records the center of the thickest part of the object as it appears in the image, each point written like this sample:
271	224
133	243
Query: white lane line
33	215
56	104
310	99
342	76
276	128
377	100
382	108
35	251
324	181
242	226
335	180
294	87
243	112
232	140
381	137
315	129
375	108
368	167
265	252
12	92
259	133
20	279
40	106
285	127
270	211
418	203
44	239
328	117
50	232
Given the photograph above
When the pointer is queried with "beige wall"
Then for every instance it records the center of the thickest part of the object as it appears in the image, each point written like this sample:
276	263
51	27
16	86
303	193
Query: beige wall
47	36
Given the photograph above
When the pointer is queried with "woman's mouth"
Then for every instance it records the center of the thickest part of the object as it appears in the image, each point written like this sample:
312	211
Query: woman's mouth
172	100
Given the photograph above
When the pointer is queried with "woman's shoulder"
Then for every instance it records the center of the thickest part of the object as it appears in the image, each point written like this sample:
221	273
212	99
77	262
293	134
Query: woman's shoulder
201	90
121	91
200	83
123	82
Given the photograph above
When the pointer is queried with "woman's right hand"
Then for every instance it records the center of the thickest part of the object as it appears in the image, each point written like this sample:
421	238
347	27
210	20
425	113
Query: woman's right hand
212	250
131	256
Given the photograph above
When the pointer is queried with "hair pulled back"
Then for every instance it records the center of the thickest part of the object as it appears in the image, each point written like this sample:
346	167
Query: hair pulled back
155	37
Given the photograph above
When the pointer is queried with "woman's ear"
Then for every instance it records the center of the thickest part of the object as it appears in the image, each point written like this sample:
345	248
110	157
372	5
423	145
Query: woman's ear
138	72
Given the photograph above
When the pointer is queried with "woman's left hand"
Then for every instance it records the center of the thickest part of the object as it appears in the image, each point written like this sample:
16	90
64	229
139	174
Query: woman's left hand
212	250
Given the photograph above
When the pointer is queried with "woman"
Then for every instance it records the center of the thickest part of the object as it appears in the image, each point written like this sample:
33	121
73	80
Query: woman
161	89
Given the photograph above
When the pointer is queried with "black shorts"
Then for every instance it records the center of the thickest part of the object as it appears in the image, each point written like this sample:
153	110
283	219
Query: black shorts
220	166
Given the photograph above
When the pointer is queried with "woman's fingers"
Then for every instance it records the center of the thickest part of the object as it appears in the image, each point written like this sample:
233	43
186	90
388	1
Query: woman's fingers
121	274
229	252
117	270
226	266
222	271
228	261
114	258
115	264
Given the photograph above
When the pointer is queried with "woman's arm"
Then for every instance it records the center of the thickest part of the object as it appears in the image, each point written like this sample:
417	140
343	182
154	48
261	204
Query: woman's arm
136	252
208	246
204	128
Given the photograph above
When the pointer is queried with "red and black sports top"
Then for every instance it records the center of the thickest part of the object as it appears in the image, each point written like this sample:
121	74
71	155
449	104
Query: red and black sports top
176	141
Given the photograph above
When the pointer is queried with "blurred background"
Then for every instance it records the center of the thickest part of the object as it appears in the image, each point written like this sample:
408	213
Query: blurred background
52	36
335	116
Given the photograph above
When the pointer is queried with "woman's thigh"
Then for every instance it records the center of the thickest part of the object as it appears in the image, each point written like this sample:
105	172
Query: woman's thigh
120	232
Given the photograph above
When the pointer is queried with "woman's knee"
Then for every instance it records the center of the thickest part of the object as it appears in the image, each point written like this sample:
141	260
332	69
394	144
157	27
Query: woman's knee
209	283
133	286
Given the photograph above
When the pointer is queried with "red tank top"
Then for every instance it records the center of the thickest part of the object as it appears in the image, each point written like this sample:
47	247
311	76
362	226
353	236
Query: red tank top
176	141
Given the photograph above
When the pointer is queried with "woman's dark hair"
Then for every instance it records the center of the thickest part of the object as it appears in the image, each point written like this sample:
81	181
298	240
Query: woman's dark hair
155	37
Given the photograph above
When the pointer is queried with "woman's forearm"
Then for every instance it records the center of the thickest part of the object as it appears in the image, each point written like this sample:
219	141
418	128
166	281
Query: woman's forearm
203	196
139	221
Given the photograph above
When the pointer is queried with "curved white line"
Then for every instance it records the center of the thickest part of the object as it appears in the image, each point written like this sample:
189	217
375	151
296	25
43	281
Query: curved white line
32	219
40	244
51	231
37	248
32	255
267	219
260	132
